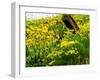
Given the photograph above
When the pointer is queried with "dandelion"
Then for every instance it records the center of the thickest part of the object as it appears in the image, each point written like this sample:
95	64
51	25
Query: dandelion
29	42
31	33
45	29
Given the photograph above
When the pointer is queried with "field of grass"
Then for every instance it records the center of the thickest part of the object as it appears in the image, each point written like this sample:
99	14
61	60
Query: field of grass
50	43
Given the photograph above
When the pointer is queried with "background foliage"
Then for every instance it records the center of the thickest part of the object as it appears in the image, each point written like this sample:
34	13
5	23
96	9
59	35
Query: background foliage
49	42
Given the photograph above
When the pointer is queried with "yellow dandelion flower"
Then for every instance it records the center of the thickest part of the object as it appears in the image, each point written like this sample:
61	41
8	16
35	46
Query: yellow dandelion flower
29	42
49	37
31	33
45	29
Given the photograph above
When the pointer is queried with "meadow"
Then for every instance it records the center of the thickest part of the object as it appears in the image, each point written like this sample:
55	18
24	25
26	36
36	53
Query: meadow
50	43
